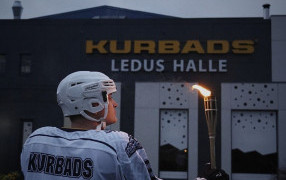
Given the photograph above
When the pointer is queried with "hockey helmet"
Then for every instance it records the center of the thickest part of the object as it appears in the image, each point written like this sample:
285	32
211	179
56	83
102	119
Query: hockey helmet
79	91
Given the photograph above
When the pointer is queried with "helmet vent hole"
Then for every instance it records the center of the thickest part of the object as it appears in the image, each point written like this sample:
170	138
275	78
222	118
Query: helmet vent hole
75	107
77	83
108	84
95	104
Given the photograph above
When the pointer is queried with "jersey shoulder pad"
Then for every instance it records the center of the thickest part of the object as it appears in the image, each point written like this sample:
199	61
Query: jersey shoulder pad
132	146
43	130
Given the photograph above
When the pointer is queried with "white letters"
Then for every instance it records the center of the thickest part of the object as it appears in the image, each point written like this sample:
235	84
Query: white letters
211	69
201	69
135	65
146	65
222	65
176	65
113	68
160	65
191	66
124	65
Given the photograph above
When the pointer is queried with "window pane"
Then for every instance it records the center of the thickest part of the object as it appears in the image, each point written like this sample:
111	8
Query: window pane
254	142
27	128
26	63
2	63
173	140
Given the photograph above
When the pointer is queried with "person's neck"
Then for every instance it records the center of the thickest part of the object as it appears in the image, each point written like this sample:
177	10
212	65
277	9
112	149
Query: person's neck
84	124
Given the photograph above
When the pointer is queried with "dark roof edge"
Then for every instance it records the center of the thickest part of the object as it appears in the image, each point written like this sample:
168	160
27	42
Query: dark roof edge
104	6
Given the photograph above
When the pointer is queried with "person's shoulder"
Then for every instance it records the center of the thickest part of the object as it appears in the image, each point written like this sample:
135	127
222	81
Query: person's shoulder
117	135
43	130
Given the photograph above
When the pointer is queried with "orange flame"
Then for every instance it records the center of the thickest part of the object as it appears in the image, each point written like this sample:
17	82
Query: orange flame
205	92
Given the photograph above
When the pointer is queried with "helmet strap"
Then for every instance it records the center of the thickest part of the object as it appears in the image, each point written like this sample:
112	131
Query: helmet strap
102	124
89	118
105	110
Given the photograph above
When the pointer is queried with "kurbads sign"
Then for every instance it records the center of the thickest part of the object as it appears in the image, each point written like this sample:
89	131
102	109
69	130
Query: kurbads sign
213	48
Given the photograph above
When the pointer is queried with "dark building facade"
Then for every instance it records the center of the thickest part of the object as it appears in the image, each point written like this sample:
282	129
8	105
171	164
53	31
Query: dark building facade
138	54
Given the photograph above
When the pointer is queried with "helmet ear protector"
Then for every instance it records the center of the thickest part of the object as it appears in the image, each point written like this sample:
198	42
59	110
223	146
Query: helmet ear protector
79	91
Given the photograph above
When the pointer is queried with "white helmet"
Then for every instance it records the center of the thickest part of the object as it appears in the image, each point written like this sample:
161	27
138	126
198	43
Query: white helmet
79	90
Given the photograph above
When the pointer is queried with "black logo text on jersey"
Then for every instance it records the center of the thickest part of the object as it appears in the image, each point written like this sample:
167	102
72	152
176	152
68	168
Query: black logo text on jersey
132	146
73	167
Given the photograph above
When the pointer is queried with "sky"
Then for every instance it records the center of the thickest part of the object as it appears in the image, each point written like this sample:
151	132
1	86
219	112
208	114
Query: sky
177	8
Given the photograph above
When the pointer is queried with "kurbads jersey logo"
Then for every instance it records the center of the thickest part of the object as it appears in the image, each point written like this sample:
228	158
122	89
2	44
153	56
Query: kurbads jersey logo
74	167
132	146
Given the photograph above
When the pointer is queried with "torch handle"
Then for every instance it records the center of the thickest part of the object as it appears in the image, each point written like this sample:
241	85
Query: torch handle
212	152
211	117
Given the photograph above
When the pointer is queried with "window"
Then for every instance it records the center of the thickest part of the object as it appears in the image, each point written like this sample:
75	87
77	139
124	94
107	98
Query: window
2	63
26	62
254	142
27	128
173	155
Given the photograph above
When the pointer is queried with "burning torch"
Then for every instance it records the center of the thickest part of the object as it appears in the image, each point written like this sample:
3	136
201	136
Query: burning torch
211	118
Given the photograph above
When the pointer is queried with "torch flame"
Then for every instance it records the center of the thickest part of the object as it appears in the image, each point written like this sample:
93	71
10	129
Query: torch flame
202	90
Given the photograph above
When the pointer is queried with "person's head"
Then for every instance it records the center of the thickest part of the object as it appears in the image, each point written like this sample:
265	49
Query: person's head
89	95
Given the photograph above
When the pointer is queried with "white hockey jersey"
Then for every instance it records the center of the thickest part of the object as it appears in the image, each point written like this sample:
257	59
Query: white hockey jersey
53	153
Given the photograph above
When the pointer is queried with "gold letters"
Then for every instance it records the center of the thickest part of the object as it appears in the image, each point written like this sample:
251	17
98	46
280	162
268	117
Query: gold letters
193	46
114	49
140	46
90	46
243	47
169	47
223	46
